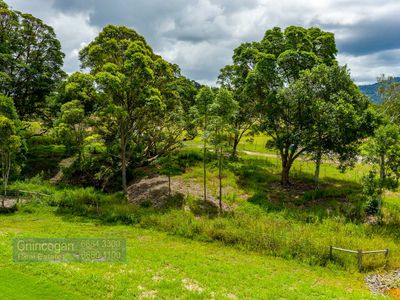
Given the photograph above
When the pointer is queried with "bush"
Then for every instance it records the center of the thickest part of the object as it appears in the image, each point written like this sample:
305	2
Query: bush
42	140
327	193
8	210
53	151
43	155
372	189
199	207
85	201
35	184
187	158
94	171
372	206
121	214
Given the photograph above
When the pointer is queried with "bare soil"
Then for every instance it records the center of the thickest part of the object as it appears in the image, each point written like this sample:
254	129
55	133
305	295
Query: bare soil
154	188
10	201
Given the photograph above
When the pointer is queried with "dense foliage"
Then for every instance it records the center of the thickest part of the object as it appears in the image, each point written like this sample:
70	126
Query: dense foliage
30	61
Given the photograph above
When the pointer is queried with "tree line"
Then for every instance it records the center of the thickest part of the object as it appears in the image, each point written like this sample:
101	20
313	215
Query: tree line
133	107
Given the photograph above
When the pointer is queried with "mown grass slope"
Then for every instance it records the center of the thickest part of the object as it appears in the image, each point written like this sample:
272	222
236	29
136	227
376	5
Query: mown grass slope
160	266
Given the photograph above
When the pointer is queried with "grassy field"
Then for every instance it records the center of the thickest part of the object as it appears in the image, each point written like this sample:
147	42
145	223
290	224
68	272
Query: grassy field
160	266
273	244
248	142
256	174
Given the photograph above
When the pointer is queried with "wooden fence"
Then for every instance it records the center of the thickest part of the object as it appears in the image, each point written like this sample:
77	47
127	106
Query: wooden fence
359	253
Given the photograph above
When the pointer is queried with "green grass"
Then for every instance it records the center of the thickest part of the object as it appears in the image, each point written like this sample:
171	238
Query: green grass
20	285
160	266
248	143
291	223
253	175
255	144
294	226
302	229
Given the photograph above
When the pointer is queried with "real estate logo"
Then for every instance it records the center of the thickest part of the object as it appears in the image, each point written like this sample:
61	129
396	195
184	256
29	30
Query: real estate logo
69	250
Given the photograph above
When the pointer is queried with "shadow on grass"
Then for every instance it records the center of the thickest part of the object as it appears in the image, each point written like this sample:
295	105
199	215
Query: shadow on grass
260	178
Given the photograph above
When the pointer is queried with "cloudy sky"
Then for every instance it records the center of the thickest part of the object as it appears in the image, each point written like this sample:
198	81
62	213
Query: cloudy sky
200	35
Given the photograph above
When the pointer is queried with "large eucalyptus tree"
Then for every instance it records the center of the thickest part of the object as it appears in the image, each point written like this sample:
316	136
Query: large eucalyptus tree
141	108
30	61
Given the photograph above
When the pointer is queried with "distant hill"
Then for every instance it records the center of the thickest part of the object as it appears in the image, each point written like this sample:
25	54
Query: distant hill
371	90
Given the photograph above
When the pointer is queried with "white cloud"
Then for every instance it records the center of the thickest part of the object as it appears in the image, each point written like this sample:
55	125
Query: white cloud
203	60
366	68
75	32
200	35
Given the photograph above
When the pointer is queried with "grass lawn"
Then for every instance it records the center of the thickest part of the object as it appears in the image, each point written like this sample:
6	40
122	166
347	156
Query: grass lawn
290	223
250	143
255	144
160	266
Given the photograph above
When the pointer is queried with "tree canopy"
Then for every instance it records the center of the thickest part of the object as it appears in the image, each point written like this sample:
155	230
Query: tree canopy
260	68
10	141
143	107
30	61
295	86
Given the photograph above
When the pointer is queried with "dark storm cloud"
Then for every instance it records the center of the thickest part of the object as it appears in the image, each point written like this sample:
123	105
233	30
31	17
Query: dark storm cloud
193	21
200	35
171	24
370	37
146	17
74	5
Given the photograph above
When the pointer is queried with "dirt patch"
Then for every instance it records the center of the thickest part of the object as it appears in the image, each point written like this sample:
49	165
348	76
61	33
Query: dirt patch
294	187
259	154
192	286
10	201
154	189
64	164
148	295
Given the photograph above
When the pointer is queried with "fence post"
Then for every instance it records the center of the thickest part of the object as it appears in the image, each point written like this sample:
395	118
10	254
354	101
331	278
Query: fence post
386	255
330	252
359	260
17	196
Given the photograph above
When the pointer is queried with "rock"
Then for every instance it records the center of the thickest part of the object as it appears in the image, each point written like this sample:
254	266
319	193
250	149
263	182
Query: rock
383	282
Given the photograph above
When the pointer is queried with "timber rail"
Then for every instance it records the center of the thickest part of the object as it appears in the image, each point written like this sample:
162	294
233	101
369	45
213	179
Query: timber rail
359	253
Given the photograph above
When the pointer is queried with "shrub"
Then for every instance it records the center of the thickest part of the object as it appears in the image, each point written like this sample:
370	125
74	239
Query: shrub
199	207
94	171
327	193
52	151
8	210
85	201
372	206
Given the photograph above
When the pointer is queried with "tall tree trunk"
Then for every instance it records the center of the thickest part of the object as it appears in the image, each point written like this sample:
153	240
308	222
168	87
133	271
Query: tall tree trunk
235	144
317	169
3	171
169	184
382	167
204	172
285	176
80	159
6	168
204	158
379	204
286	165
220	181
123	165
